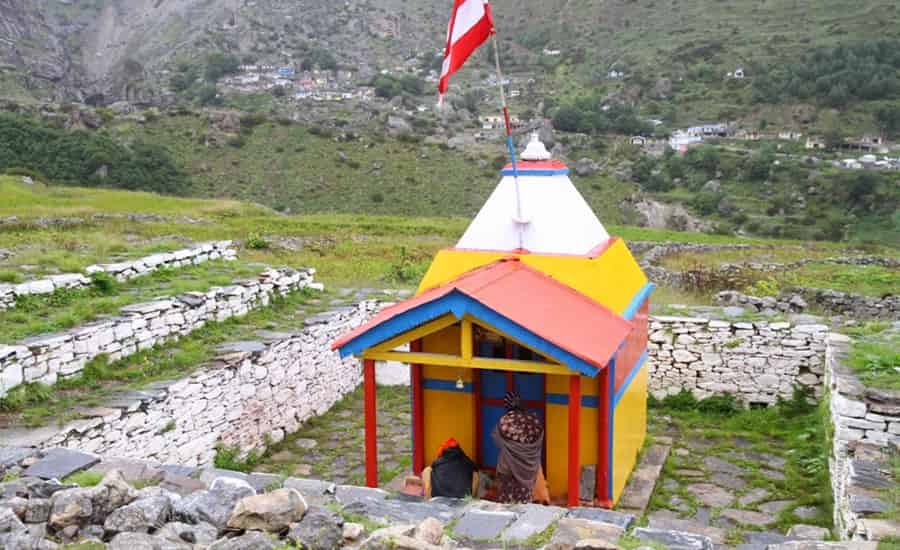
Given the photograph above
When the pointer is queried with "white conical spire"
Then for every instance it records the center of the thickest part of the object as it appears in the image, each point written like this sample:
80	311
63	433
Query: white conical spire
555	217
535	149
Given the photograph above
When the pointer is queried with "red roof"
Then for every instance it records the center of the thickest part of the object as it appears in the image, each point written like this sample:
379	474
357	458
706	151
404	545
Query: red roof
538	303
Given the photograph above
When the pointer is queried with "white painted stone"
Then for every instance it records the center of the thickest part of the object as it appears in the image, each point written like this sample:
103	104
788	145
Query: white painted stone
846	407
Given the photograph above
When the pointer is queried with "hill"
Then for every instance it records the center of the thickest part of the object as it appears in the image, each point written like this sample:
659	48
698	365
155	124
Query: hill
670	59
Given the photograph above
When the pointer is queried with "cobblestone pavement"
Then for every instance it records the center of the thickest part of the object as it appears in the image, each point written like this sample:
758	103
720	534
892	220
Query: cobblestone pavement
330	447
740	488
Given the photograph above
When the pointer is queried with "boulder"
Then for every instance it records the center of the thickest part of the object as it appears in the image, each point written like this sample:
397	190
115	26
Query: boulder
36	510
9	521
352	531
712	186
24	541
320	529
140	516
82	506
585	167
143	541
253	540
596	544
215	505
431	531
272	512
571	530
201	533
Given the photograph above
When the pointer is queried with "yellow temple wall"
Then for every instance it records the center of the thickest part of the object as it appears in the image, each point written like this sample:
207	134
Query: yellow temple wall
629	430
447	413
612	278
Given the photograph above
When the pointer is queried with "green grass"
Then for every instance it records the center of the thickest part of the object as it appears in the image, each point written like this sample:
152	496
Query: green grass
876	361
64	309
84	546
870	280
88	478
792	429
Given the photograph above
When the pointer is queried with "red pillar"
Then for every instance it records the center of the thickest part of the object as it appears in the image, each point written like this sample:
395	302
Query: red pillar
369	411
604	396
418	412
574	437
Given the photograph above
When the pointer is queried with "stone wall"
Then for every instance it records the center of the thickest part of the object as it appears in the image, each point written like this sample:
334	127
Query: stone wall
866	424
122	271
49	357
253	394
757	362
831	301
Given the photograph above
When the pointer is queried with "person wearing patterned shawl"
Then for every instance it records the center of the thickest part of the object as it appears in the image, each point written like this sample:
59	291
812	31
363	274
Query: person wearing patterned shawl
519	435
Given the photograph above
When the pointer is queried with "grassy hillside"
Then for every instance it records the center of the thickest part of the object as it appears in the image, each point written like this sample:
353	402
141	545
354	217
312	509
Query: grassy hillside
299	169
346	249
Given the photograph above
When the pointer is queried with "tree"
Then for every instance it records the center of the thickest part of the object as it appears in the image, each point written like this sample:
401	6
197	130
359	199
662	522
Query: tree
184	77
832	131
887	118
219	65
759	164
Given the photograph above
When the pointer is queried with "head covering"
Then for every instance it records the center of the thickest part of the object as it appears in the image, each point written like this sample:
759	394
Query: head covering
512	401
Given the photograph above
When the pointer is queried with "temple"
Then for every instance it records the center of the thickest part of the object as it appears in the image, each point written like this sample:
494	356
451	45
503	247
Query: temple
535	297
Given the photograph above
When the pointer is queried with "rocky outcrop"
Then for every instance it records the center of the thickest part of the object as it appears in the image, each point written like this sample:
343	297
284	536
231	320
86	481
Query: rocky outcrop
658	215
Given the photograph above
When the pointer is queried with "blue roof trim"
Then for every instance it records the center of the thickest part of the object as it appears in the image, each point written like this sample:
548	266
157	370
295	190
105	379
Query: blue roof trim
437	384
460	304
397	325
638	299
525	172
625	383
588	401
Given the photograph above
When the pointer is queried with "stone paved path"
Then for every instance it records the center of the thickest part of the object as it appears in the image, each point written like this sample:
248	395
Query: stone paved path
737	489
330	447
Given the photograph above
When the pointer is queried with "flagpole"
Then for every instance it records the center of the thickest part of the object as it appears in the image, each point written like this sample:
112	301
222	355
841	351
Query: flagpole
509	139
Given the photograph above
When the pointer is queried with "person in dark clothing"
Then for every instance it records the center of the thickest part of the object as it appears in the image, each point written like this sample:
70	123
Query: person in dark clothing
452	474
519	435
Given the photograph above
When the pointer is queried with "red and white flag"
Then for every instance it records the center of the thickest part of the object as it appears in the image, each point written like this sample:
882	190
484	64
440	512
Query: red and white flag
470	26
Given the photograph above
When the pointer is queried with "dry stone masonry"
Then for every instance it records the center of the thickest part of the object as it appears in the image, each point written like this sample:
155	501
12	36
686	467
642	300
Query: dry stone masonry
757	362
48	357
832	301
866	424
122	271
253	394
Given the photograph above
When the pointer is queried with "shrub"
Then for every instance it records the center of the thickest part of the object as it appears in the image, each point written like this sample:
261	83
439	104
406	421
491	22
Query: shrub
25	395
725	405
7	276
681	401
229	458
407	269
104	283
256	242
